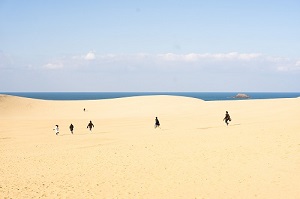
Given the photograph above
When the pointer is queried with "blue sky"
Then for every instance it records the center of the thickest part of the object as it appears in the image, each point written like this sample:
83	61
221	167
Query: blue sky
149	45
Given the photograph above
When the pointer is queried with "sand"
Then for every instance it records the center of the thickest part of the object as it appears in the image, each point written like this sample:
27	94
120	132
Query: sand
192	155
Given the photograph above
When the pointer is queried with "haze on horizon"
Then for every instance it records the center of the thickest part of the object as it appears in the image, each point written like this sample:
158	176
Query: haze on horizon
149	45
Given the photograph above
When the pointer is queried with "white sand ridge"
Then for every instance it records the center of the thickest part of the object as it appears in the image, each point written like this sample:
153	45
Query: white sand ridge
193	155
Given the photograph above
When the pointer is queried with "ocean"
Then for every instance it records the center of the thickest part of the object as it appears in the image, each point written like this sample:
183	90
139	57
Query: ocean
207	96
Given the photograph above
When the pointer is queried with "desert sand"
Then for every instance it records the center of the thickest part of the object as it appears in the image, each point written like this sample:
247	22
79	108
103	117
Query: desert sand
192	155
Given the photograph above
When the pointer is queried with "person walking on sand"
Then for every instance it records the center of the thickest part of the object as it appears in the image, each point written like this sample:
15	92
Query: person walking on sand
56	129
157	124
227	118
71	128
90	125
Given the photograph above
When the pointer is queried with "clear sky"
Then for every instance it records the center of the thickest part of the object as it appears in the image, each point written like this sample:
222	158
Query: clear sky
165	45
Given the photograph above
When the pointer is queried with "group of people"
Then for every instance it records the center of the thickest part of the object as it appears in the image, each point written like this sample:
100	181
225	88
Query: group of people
90	125
227	119
71	127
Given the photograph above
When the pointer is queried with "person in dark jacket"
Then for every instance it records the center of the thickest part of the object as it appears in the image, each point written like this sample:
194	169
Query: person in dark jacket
227	118
90	125
71	128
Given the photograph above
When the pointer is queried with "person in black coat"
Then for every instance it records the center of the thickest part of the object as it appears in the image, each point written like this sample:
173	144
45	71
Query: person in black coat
227	118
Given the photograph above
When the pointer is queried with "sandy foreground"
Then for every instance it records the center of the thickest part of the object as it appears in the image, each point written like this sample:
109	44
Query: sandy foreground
193	155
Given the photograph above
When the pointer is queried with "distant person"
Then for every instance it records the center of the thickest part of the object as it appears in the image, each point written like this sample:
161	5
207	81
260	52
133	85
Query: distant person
56	129
71	128
157	124
227	118
84	110
90	125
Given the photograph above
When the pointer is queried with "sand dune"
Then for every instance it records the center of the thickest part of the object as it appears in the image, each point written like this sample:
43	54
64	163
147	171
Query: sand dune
193	155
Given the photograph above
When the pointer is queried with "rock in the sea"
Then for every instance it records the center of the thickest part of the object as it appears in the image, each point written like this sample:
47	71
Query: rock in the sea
242	95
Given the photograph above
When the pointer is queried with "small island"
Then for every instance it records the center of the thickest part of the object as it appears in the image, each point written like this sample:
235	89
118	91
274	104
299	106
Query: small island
242	96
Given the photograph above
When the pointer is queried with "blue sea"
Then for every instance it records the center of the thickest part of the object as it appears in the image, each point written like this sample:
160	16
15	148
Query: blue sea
207	96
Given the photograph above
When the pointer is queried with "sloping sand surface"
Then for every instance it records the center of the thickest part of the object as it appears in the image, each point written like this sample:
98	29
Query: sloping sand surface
192	155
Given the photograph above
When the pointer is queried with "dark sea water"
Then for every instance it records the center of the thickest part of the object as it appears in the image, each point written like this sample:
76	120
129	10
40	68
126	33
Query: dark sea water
207	96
